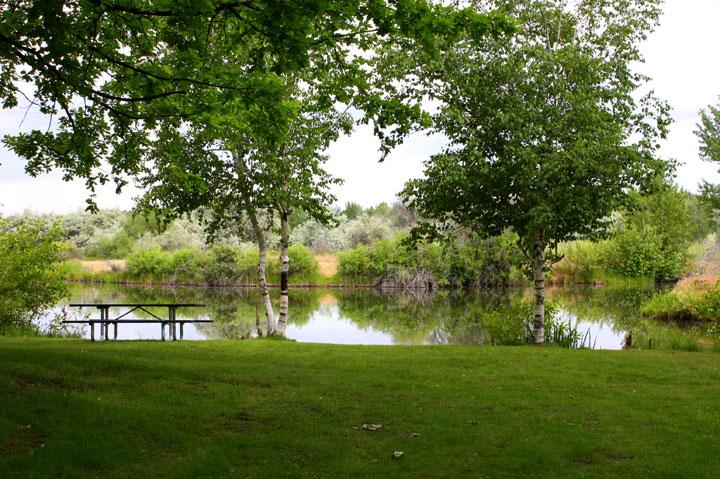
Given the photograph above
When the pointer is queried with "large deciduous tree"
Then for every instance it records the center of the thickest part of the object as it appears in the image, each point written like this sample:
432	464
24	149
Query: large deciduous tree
708	131
242	172
106	71
238	164
547	131
217	104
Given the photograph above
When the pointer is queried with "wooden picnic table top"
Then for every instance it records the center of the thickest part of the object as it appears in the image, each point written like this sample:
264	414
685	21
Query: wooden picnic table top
133	305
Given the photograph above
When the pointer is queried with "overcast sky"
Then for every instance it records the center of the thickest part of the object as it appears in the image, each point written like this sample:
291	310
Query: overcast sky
681	57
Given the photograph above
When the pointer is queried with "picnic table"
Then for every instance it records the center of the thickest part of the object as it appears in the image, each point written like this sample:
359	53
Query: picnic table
105	320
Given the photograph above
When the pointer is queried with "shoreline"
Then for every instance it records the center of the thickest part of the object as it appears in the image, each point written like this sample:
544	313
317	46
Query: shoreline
385	286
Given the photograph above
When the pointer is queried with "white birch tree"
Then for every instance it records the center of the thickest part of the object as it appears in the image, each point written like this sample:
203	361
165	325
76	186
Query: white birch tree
548	130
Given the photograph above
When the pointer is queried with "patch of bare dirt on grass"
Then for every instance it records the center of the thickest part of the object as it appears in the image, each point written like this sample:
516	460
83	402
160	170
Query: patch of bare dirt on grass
103	266
24	441
328	264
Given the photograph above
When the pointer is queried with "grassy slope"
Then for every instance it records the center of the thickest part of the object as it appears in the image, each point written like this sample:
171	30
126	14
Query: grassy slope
275	409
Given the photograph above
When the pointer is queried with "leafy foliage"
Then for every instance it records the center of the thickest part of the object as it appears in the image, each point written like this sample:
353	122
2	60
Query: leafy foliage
655	237
692	300
142	69
461	263
708	131
31	279
117	246
545	134
221	265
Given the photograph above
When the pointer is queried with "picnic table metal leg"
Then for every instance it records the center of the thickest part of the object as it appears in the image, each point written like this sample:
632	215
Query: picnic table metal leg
92	331
102	325
107	324
181	330
162	330
103	333
171	314
115	335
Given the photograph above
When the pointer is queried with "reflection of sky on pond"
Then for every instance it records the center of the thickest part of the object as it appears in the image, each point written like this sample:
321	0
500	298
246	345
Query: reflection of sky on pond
364	317
326	325
597	335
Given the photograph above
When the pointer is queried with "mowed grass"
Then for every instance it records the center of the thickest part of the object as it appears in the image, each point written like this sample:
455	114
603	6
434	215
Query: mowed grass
263	408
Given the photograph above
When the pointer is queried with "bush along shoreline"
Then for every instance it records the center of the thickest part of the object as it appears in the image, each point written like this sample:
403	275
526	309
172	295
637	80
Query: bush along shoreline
654	239
218	266
694	299
490	263
469	263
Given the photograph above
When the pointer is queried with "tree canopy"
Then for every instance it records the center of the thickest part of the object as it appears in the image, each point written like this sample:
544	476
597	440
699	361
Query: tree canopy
708	131
545	133
108	71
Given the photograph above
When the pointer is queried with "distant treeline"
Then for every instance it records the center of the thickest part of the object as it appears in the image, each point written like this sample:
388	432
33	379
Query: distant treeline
115	234
653	238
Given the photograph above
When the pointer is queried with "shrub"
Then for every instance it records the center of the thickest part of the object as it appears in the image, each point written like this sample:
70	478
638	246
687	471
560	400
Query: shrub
188	265
224	266
709	307
180	234
117	246
366	230
248	259
369	263
302	262
470	262
694	301
580	260
149	264
32	279
635	252
315	236
655	237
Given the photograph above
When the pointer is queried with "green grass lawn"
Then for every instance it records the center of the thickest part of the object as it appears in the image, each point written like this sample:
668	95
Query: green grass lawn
280	409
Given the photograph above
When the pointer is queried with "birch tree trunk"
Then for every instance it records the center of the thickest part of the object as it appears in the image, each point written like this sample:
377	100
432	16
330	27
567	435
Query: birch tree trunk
262	248
284	271
262	279
539	283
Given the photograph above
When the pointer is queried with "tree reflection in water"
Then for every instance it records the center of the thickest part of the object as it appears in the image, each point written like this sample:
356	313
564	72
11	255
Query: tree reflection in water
394	316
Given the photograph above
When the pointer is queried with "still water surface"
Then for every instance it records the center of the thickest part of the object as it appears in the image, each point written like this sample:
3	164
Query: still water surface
379	317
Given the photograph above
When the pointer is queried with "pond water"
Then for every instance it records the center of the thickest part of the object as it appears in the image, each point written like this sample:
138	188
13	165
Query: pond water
602	316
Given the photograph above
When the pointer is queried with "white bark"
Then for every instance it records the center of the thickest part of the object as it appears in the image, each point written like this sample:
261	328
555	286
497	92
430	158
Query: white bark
284	272
539	283
262	279
262	250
